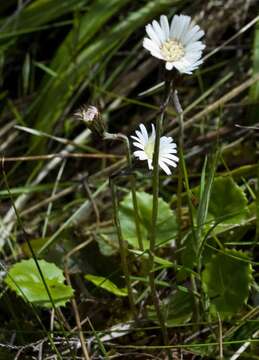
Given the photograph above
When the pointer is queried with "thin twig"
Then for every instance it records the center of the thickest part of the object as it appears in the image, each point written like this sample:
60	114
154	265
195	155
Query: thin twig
59	156
221	356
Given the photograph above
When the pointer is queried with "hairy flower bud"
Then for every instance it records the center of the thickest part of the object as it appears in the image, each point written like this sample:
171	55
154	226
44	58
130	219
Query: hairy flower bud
91	116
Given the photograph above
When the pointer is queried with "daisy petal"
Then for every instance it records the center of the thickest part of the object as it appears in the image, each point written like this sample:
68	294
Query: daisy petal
183	24
193	35
168	153
150	45
165	26
134	138
167	147
194	46
153	48
159	31
144	132
166	139
186	20
169	65
150	166
141	137
165	168
174	28
138	145
183	66
152	34
157	55
171	156
140	154
153	134
169	162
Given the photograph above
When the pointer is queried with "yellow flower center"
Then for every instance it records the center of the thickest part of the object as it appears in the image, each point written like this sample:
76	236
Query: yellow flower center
172	50
149	148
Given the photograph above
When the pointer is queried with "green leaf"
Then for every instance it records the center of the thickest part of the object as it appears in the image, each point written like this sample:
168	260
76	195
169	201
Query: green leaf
228	204
177	309
166	222
107	285
24	278
226	280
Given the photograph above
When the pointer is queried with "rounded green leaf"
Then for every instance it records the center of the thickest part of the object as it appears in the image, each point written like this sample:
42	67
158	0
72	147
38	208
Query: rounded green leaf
166	222
24	278
226	280
228	204
107	285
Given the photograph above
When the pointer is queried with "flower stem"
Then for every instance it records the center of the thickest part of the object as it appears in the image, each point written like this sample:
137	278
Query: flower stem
123	252
153	228
183	169
184	176
125	139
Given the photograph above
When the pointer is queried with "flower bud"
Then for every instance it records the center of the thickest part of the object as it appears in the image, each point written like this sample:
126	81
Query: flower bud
92	118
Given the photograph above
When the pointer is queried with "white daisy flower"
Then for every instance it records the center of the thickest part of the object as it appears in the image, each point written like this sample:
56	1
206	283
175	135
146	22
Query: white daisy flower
146	144
178	44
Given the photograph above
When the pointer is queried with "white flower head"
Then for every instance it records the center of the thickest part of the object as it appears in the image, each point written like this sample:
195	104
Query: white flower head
146	144
177	44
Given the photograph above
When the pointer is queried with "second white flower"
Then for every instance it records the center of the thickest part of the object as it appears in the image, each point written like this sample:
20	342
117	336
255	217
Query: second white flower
146	146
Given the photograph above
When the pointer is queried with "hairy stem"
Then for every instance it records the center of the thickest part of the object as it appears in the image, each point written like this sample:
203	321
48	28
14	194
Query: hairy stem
125	139
184	176
123	251
183	169
153	229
